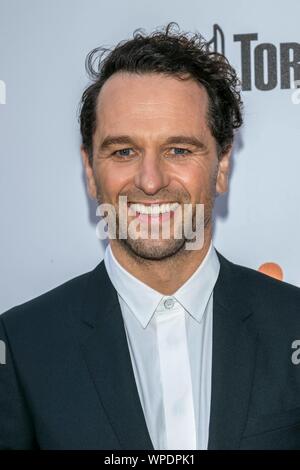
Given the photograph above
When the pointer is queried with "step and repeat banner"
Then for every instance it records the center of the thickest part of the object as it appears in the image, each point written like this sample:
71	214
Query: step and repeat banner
48	221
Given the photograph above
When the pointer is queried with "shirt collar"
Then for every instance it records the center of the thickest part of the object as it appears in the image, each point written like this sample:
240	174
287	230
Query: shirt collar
142	300
195	293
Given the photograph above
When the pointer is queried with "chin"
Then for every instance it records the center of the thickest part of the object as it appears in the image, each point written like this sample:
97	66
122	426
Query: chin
154	249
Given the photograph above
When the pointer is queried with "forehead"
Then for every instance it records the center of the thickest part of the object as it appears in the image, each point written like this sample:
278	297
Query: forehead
151	103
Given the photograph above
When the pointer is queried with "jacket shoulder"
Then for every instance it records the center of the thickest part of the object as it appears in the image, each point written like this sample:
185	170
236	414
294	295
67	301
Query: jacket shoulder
50	305
270	298
252	278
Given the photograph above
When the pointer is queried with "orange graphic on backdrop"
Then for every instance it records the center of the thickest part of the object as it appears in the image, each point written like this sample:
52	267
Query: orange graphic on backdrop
272	269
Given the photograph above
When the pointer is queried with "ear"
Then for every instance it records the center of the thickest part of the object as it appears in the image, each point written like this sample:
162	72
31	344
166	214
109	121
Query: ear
89	173
223	171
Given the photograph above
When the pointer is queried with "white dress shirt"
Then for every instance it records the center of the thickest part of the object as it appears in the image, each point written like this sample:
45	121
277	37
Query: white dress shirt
170	345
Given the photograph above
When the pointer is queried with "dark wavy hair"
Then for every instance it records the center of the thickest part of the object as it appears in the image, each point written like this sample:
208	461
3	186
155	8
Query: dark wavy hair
173	53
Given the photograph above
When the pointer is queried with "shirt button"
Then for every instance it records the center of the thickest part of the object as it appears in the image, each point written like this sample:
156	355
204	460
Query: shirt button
169	303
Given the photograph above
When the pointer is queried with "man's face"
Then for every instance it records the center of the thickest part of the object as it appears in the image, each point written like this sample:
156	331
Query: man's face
152	144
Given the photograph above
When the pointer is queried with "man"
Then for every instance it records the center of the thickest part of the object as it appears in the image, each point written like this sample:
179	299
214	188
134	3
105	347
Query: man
160	346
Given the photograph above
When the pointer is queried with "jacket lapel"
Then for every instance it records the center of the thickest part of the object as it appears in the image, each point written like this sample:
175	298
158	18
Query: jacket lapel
106	353
107	356
234	348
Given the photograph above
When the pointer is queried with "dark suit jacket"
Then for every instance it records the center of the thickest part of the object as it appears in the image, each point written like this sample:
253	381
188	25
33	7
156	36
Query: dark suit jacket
68	382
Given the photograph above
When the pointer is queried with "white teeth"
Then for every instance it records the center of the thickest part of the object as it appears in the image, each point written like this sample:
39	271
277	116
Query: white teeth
153	209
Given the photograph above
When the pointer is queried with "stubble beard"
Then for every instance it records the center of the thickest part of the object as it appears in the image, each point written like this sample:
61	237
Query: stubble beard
143	250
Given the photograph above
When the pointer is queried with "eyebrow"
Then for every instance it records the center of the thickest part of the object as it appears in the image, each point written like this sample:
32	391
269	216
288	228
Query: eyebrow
111	140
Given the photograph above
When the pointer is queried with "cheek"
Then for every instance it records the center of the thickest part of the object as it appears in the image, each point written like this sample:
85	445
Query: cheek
197	182
111	181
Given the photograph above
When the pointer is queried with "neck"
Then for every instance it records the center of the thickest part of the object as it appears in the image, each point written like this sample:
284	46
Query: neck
159	274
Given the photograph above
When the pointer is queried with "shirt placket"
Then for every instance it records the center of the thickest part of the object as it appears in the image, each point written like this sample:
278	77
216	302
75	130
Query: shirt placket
176	377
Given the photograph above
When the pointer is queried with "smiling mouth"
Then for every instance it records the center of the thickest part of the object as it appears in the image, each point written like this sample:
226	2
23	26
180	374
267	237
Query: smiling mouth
148	213
152	210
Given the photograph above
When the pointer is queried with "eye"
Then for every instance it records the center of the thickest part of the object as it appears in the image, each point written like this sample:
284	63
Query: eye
180	151
123	152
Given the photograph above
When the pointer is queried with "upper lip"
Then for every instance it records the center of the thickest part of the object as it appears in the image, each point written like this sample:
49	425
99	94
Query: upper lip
148	203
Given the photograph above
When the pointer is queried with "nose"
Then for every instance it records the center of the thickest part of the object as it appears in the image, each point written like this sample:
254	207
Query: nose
151	175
